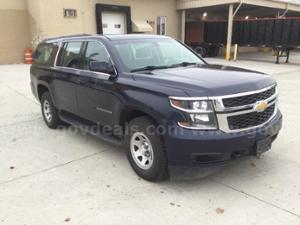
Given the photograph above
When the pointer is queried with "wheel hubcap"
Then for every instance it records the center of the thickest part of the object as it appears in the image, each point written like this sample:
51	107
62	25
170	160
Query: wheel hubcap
47	111
141	150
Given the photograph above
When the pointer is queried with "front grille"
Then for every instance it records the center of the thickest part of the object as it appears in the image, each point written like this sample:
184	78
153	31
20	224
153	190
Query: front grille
250	119
248	99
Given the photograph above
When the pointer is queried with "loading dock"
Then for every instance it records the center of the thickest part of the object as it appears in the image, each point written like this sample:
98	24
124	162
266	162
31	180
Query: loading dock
229	10
113	23
280	34
113	19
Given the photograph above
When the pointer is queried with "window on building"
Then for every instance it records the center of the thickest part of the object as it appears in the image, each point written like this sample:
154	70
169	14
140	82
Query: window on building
70	55
70	13
95	52
45	54
161	25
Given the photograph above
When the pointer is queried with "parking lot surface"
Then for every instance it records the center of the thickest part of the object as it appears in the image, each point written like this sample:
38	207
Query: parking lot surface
57	177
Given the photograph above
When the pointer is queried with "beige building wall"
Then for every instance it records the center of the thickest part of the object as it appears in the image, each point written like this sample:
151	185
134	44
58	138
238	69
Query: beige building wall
34	19
54	24
14	32
25	22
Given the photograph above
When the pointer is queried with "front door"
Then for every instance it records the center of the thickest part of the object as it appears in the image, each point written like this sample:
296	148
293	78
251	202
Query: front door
95	90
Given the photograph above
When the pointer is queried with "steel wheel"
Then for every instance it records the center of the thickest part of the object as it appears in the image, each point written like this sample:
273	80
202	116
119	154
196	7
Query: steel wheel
141	150
47	111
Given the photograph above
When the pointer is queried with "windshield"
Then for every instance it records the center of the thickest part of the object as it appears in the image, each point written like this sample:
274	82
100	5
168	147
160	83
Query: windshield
143	54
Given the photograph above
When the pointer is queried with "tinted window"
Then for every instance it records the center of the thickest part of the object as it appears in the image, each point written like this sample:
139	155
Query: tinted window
45	54
95	52
70	55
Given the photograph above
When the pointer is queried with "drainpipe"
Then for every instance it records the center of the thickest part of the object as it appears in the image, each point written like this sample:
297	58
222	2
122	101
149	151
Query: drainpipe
286	10
238	8
83	17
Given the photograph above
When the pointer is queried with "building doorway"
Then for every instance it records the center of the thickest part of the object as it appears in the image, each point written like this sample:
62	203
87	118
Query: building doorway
114	23
113	19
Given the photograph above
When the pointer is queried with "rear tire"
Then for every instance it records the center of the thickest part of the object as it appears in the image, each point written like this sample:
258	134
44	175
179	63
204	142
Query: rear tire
50	113
214	51
145	150
201	51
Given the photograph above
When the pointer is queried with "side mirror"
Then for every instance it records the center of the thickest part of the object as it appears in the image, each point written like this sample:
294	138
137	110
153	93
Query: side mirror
102	67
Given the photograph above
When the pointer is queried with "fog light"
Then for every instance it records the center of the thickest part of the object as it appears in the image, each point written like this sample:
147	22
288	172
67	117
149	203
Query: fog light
199	118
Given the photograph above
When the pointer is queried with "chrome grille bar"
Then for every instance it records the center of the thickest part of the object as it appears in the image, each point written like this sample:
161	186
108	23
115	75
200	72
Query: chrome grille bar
223	112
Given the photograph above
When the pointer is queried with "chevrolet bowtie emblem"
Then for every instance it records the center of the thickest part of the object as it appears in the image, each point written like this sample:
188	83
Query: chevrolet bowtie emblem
260	106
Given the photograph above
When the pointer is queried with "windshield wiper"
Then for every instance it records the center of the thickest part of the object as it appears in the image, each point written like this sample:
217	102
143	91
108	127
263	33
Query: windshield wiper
183	64
164	67
149	68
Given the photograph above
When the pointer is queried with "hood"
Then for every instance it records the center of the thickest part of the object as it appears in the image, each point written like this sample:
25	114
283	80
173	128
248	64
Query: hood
208	80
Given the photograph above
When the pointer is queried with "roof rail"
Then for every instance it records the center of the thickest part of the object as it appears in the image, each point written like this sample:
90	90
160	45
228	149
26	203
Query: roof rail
66	36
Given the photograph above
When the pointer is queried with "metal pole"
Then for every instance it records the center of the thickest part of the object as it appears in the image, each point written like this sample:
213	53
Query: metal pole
235	52
183	25
238	8
229	32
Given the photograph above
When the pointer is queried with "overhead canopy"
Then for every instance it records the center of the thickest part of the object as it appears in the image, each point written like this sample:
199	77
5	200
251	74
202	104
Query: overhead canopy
141	26
277	4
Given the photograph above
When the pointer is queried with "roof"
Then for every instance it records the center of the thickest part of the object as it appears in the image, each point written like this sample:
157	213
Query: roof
133	36
297	2
109	37
292	5
66	37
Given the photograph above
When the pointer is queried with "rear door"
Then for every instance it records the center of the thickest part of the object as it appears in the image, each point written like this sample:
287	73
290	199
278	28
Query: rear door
68	67
96	91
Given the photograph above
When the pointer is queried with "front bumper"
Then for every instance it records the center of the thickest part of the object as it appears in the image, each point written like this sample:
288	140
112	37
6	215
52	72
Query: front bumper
191	147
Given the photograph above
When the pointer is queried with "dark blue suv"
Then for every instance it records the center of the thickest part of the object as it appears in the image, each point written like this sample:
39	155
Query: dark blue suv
156	97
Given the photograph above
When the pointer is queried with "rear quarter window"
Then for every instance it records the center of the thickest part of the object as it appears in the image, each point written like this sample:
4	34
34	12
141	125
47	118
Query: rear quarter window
45	54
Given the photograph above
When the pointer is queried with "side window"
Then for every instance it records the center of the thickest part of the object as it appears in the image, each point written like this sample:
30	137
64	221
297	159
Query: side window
95	52
70	55
45	54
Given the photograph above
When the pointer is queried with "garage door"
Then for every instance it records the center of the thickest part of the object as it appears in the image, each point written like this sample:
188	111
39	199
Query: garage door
113	23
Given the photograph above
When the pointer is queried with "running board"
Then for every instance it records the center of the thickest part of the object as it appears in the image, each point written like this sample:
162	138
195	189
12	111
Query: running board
87	127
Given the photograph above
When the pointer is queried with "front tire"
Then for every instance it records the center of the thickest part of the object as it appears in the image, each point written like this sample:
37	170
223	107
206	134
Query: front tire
145	150
49	111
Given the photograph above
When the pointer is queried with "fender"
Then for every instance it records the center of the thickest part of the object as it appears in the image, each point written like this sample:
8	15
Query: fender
157	106
44	83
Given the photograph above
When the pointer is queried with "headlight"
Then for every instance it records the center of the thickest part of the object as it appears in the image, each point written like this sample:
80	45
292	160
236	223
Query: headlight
200	113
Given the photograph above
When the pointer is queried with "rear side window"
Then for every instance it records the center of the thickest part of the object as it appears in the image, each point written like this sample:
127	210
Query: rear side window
45	54
70	55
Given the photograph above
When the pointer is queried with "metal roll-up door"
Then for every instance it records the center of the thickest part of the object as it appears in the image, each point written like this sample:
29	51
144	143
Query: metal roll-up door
269	32
277	34
295	33
261	26
253	32
286	32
